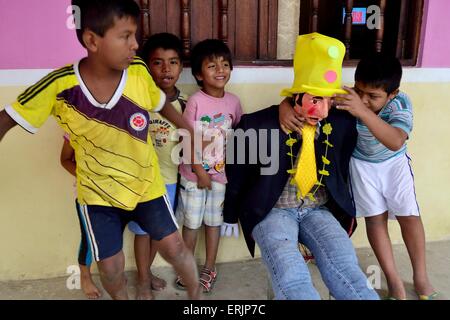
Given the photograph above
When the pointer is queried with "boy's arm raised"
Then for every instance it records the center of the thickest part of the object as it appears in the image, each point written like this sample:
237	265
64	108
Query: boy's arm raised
169	112
391	137
6	123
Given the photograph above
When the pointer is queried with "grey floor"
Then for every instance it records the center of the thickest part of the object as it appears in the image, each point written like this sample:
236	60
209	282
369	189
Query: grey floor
247	280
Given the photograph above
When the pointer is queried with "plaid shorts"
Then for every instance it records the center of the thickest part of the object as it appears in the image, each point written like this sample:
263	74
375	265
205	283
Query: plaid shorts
197	206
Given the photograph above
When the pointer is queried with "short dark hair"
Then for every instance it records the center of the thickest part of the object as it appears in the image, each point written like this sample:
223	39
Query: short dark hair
293	98
164	40
380	71
208	49
98	15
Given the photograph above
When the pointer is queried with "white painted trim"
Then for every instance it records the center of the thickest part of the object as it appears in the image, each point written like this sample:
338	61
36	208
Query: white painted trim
22	77
241	75
418	75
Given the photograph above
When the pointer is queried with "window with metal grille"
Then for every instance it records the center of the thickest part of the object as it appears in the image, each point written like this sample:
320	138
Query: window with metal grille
250	27
390	26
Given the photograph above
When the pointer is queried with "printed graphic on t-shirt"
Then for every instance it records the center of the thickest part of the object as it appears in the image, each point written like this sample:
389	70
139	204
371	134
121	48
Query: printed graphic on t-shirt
215	161
160	130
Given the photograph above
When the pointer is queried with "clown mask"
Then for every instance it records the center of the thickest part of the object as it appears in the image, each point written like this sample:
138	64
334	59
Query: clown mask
312	108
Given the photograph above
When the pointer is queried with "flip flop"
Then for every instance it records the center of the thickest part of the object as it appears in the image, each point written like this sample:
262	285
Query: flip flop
432	296
391	298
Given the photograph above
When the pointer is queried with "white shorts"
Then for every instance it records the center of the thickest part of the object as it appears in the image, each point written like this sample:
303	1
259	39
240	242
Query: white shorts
385	186
198	206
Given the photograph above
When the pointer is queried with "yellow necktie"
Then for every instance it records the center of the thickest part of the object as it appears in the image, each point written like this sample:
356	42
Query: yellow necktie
306	175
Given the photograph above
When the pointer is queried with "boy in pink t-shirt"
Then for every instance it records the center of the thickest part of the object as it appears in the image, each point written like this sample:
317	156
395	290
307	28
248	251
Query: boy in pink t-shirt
202	192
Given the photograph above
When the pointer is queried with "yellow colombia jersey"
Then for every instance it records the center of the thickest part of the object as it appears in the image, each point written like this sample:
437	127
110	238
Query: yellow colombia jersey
116	162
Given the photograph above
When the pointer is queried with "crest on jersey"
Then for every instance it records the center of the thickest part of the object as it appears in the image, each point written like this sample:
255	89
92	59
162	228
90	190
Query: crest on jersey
138	121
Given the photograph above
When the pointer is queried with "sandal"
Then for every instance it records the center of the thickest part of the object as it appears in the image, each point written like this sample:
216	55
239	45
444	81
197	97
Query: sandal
179	285
207	279
432	296
392	298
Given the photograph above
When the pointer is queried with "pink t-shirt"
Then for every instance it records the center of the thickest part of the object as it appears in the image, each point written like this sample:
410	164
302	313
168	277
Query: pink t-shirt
219	115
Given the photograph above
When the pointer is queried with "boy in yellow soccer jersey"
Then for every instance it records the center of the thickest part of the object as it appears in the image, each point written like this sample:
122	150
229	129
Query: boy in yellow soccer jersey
103	103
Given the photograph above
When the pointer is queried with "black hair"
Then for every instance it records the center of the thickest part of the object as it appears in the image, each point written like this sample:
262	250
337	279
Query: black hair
164	40
293	98
98	15
380	71
208	49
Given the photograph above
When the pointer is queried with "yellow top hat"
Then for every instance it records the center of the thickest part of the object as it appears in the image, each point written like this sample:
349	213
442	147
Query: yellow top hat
317	66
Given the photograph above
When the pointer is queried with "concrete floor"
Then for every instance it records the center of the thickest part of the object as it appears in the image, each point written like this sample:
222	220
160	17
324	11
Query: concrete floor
247	280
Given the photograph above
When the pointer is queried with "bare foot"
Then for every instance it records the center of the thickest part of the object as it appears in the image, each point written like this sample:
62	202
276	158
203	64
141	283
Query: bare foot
89	288
158	284
143	290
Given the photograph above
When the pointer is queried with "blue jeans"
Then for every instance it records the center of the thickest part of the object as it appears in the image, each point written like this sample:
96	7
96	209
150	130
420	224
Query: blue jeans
278	236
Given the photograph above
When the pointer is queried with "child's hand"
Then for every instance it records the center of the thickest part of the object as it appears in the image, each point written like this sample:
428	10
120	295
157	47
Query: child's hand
350	102
289	119
203	180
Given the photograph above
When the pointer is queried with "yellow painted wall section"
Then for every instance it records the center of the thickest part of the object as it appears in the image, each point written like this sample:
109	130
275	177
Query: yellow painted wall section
39	229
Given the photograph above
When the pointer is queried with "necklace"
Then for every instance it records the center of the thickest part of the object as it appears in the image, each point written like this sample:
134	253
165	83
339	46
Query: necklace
326	129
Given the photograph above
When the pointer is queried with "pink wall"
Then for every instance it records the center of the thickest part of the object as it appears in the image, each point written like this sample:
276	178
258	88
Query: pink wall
436	43
33	35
